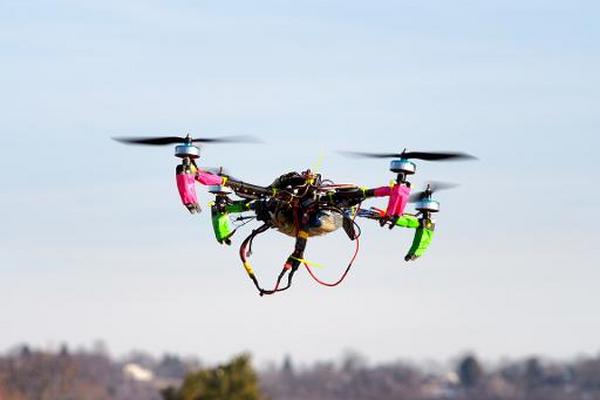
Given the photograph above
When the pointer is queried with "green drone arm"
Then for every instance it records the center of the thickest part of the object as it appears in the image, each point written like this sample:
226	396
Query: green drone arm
408	221
424	228
221	227
220	218
238	206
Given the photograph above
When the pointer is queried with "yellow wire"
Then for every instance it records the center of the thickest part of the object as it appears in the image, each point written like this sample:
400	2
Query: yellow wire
312	264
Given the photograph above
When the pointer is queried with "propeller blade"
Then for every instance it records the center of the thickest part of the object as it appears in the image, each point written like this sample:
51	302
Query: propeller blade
435	185
360	154
432	187
155	141
213	170
165	140
437	156
417	196
217	171
228	139
419	155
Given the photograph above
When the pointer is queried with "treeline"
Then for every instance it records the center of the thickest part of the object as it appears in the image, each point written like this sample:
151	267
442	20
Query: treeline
30	374
27	373
468	379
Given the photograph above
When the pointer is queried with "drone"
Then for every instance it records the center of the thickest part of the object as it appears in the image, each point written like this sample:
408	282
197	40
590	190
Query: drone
303	204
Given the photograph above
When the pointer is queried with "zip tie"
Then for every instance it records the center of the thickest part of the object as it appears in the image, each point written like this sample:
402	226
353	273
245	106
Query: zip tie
312	264
248	268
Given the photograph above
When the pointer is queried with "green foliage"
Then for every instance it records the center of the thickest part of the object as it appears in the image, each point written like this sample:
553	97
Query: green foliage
233	381
470	371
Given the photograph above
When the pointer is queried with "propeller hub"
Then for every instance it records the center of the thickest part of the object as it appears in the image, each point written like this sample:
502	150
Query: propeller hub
403	166
187	151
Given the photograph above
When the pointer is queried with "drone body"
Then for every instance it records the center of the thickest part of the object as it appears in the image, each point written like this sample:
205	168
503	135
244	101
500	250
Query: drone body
303	205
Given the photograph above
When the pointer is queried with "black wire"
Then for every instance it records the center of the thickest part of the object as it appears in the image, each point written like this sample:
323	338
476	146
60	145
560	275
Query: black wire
248	220
255	233
359	229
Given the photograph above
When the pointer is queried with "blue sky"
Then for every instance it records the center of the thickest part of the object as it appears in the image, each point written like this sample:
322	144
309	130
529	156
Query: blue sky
95	245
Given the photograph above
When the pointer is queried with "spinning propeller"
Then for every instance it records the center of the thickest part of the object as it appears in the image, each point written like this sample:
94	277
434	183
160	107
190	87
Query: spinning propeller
401	164
431	188
166	140
416	155
215	170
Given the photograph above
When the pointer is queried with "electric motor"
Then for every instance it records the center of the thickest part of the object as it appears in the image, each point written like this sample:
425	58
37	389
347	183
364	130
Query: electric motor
187	150
403	166
428	205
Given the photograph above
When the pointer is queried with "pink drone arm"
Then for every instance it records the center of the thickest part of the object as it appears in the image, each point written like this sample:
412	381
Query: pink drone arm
186	185
187	190
399	194
208	179
398	198
382	191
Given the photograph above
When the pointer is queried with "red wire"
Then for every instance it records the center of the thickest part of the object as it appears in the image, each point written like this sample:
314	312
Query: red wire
343	275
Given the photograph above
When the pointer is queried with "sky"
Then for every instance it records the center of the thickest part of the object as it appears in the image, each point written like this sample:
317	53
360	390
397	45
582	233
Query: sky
94	244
